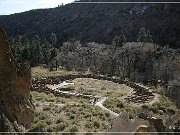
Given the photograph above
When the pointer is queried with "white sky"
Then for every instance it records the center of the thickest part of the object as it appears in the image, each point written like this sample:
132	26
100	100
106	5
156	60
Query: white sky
16	6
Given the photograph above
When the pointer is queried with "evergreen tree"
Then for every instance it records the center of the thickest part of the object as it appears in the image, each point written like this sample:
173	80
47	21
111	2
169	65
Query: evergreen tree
36	51
46	51
144	36
53	39
18	50
53	59
118	41
25	54
149	36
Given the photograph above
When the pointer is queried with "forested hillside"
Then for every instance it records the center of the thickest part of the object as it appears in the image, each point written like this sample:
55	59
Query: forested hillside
98	22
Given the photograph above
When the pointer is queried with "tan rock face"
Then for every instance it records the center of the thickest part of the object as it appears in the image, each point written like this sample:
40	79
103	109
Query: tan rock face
137	126
129	127
15	83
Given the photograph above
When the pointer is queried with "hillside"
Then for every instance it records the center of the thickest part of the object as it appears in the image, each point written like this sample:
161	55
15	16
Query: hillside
98	22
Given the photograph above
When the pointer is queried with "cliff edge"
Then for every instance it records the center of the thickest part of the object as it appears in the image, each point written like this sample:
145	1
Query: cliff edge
16	107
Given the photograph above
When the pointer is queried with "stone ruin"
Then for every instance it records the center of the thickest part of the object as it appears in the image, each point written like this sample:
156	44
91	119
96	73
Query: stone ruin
140	94
16	107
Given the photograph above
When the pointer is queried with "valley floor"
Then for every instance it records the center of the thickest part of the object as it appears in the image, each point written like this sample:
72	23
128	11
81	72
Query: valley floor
95	114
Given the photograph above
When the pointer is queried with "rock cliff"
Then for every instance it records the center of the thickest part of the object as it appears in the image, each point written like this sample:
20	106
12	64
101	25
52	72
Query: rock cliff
16	108
137	126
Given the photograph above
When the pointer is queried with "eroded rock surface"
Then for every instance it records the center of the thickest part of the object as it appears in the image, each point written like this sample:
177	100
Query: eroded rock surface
124	125
16	108
140	125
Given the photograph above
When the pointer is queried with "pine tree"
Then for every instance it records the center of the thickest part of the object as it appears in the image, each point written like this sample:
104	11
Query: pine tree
53	39
149	37
36	51
144	36
18	45
25	54
118	41
52	58
46	51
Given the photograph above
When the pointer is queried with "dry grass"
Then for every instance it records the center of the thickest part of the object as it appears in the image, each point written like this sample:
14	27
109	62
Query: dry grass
99	87
79	113
44	72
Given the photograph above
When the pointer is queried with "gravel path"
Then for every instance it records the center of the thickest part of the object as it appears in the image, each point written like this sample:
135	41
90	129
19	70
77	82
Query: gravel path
100	104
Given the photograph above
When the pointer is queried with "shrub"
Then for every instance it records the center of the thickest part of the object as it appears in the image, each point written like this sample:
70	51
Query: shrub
103	88
80	109
52	99
50	128
36	119
42	124
72	116
51	105
60	120
61	126
81	89
57	109
68	114
39	98
88	124
48	122
87	115
107	114
145	107
117	110
60	100
46	108
120	105
96	124
85	105
73	111
42	116
105	125
74	128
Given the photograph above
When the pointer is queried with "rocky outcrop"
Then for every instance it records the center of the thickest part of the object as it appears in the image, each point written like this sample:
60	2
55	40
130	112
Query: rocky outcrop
137	126
144	125
124	125
16	108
